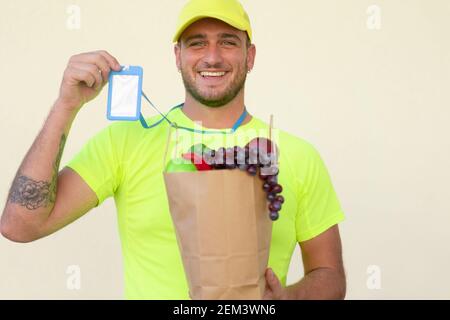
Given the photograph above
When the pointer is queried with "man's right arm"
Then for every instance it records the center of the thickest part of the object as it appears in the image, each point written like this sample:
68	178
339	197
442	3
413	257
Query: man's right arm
41	199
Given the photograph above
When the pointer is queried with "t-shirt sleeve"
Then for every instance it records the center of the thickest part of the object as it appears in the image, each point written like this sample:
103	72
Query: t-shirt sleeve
98	165
319	207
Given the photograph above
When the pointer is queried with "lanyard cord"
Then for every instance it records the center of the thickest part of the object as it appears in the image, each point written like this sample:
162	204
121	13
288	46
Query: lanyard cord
174	125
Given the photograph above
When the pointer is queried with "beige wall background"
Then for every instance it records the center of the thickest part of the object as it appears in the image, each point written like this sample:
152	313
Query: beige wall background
367	82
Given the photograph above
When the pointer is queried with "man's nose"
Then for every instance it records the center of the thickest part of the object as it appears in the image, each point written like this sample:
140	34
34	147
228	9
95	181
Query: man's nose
213	55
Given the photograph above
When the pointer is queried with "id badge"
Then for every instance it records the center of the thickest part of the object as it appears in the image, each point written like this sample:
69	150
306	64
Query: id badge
124	93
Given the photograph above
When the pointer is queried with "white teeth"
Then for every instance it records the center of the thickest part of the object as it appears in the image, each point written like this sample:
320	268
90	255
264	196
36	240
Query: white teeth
212	74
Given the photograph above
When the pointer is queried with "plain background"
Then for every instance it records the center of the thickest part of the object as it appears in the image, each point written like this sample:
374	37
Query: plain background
366	82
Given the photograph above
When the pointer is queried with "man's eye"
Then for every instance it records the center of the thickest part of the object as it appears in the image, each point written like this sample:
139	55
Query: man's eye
229	43
196	44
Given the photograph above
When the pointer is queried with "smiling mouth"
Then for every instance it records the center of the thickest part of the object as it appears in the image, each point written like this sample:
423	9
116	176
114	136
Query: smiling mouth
212	75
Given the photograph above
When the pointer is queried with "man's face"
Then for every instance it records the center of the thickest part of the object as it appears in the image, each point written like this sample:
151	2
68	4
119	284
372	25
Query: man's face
214	59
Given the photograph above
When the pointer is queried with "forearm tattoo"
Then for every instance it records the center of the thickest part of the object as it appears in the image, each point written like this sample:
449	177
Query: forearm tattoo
34	194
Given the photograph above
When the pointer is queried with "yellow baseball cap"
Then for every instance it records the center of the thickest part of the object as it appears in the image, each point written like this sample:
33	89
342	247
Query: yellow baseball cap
229	11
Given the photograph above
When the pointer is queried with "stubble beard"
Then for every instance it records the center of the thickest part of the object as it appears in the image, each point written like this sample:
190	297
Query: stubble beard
214	100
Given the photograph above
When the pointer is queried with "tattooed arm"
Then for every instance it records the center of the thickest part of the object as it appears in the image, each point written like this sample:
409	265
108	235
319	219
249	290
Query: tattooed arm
42	199
33	194
33	191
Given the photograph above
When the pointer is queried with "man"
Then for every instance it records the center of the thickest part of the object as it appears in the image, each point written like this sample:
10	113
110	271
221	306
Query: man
214	53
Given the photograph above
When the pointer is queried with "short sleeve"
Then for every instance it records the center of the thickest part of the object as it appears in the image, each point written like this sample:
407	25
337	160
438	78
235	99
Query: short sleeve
319	207
97	164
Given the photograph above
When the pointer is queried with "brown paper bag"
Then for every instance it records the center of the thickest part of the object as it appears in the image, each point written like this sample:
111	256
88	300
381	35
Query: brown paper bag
223	231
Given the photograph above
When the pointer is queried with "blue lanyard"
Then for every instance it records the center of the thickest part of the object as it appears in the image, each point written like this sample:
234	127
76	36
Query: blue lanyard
174	125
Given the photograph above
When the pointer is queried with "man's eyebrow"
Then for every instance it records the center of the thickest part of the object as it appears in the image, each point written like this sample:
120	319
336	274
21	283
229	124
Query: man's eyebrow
229	35
221	36
195	36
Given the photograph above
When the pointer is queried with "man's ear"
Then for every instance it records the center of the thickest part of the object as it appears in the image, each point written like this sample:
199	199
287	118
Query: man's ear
251	55
177	52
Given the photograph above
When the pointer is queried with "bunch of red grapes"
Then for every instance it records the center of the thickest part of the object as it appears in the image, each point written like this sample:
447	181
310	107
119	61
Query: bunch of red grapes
258	157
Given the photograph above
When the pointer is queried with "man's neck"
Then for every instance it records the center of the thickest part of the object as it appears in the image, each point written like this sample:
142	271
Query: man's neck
215	117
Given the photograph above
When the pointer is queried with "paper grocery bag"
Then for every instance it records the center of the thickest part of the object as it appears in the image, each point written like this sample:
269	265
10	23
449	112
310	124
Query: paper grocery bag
223	231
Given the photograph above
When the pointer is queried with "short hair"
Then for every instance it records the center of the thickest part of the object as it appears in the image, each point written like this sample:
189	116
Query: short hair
248	42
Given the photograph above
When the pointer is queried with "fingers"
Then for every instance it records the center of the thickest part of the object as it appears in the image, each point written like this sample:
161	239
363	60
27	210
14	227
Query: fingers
81	75
113	63
101	60
273	284
93	70
83	71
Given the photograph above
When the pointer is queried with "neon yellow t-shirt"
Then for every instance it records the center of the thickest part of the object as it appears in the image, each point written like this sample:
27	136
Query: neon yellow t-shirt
125	160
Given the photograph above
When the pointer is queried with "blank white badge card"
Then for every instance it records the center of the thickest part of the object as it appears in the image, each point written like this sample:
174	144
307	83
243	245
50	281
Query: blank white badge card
124	93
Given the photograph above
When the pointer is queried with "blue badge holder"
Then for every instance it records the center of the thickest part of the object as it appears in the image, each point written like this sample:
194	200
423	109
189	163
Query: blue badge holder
124	93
